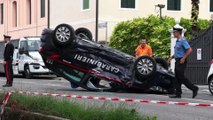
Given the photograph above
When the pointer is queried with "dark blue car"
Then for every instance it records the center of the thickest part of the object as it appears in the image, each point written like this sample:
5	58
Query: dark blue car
85	63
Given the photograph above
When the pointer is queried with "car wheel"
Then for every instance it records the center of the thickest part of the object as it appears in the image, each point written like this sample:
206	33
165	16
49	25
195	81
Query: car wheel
63	35
27	72
145	66
47	39
84	33
211	85
162	62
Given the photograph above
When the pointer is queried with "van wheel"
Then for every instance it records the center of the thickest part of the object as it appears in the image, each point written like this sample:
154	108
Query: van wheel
64	34
27	72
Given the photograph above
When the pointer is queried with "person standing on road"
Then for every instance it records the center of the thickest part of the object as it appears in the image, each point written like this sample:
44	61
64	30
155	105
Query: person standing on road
182	51
143	49
8	58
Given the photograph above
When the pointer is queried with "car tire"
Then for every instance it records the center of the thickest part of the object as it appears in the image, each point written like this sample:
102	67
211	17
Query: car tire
47	37
27	72
84	33
211	85
145	66
162	62
63	35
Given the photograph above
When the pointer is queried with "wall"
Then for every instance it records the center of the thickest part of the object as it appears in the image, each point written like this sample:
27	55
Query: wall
73	14
23	28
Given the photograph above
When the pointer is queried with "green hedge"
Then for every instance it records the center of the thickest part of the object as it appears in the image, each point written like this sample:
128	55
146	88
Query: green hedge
127	34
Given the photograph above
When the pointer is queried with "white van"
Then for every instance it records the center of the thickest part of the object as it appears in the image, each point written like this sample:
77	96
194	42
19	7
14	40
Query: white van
29	60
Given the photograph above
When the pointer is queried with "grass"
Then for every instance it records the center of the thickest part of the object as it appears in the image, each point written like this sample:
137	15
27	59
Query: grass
71	110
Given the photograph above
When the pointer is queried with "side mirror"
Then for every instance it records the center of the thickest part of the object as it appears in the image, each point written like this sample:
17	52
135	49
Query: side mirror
21	51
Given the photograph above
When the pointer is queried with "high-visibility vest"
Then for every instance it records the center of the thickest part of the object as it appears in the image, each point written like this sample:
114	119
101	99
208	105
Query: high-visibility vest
147	50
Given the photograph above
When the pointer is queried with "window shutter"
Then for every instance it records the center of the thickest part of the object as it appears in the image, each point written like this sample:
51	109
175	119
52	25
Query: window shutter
85	4
127	3
177	5
173	4
132	3
211	5
123	3
170	4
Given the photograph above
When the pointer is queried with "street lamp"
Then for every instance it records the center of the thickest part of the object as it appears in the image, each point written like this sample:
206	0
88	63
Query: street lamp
161	6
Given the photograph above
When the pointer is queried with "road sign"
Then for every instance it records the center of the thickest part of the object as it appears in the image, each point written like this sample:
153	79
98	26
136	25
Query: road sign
102	25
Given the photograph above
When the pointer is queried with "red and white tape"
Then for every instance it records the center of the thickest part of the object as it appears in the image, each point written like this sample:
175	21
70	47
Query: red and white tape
4	103
118	99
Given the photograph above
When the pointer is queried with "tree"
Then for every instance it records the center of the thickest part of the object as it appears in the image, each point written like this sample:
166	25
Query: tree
194	15
127	34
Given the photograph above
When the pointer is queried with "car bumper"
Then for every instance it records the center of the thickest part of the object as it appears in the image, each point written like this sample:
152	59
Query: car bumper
15	70
210	72
38	69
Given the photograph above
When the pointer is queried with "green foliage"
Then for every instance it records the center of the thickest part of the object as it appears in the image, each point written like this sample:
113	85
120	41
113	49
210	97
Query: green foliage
127	34
71	109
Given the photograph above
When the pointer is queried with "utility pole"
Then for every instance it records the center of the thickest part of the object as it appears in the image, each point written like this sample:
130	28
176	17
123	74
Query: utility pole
96	21
48	14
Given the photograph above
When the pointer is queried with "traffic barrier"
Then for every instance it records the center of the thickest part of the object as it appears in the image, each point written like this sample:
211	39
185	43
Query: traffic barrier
4	103
129	100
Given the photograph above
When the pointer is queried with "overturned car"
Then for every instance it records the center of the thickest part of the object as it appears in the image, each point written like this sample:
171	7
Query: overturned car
95	67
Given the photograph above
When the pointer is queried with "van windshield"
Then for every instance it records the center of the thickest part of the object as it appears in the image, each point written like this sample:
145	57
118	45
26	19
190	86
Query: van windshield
33	45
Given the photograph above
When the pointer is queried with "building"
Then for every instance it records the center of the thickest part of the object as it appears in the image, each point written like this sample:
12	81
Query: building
20	18
82	13
28	17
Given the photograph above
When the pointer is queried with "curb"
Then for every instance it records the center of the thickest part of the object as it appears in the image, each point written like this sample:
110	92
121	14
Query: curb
129	100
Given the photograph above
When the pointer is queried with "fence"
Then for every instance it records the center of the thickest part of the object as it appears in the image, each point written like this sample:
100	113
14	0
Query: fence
199	60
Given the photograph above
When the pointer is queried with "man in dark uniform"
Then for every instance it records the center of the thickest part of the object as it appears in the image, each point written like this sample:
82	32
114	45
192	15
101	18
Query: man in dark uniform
182	51
8	59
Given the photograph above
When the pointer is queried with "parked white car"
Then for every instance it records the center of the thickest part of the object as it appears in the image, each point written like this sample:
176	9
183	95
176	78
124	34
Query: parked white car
210	78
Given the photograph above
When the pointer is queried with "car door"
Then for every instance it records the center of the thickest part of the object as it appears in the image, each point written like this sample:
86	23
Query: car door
15	62
22	57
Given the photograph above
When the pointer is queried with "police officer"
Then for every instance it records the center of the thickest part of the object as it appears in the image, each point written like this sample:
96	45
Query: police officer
8	58
182	51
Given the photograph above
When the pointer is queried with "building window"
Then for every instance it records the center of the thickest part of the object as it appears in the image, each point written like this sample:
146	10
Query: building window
29	11
85	4
173	4
42	8
14	14
127	3
211	5
2	13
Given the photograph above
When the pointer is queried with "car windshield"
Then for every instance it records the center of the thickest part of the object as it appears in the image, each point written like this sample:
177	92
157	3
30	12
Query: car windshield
34	45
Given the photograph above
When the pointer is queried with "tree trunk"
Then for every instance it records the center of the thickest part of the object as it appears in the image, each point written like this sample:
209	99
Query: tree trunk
194	16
